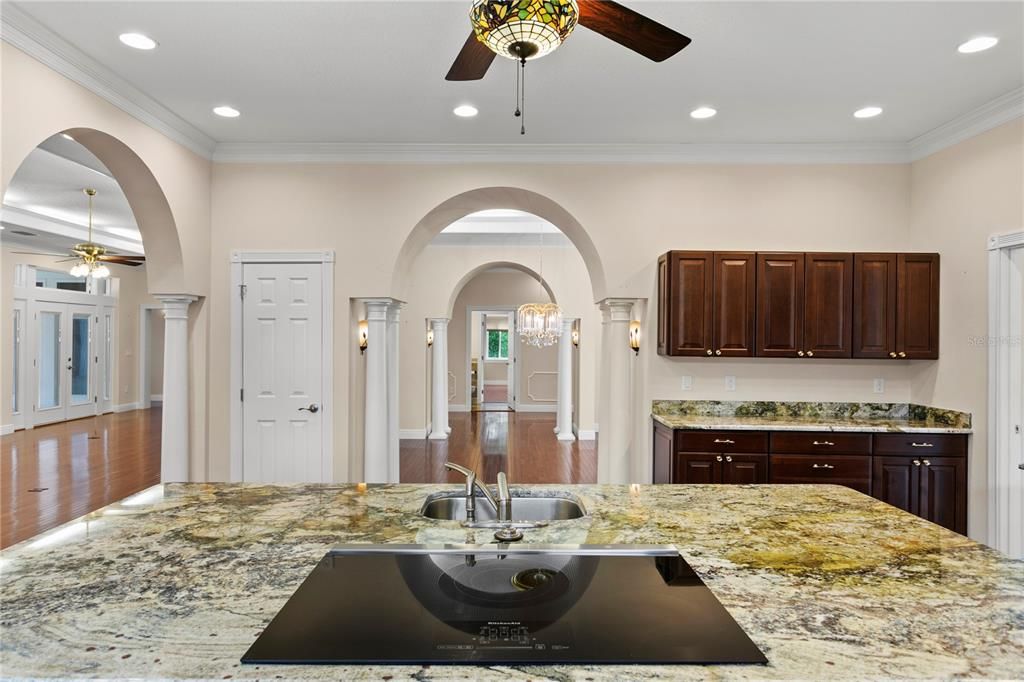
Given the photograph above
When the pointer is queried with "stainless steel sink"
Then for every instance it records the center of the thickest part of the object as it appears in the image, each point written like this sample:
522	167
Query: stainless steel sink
452	507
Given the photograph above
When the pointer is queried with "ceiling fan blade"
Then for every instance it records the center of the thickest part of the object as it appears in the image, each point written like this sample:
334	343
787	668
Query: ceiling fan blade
123	255
631	29
472	61
36	253
121	260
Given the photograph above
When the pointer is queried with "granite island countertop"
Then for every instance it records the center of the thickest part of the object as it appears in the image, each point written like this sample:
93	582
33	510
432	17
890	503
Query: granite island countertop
805	416
179	580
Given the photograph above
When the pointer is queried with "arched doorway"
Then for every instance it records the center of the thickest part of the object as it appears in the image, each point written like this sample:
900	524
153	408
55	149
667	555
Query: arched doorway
74	351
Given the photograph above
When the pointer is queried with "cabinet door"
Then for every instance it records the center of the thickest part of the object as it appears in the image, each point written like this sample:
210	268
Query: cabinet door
943	492
895	480
874	305
745	469
699	467
734	304
664	453
917	325
828	309
685	299
780	305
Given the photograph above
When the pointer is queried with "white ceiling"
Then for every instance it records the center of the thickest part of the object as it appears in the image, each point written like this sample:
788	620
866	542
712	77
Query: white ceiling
501	227
373	72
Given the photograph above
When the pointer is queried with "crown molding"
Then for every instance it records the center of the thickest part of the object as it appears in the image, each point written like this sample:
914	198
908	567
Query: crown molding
25	33
990	115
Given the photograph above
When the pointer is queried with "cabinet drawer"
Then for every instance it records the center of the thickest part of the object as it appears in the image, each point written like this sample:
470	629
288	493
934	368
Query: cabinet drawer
853	471
824	442
721	441
921	444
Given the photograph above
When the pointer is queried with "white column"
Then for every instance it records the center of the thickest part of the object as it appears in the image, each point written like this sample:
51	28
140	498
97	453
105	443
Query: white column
613	445
564	420
439	380
174	453
375	425
392	362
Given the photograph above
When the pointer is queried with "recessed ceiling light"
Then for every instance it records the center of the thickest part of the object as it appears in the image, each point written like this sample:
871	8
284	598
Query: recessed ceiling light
137	40
227	112
979	44
67	137
867	112
465	111
703	112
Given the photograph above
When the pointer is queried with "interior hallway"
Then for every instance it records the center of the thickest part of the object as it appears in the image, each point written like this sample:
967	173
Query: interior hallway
55	473
523	445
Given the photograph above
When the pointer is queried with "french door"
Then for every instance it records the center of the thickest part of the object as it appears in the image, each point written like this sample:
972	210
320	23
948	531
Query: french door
65	361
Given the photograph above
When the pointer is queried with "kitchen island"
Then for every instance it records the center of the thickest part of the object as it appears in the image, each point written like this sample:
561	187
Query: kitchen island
178	581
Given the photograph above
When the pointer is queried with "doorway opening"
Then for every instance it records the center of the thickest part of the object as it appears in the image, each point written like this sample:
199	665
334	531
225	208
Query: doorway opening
492	360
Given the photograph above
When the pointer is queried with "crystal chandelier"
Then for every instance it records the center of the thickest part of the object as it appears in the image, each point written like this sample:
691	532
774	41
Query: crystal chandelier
89	264
523	29
539	324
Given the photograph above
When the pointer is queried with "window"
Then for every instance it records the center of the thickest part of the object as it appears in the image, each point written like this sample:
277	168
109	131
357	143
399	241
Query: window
497	344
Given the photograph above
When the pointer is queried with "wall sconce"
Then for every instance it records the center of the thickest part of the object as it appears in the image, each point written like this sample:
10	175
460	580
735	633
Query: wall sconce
364	336
430	338
576	333
634	336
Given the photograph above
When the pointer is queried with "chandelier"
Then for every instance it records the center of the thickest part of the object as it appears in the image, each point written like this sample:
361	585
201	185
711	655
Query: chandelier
540	324
523	29
89	263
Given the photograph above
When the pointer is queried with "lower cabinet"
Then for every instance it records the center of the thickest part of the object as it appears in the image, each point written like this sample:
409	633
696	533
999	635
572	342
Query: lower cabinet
924	475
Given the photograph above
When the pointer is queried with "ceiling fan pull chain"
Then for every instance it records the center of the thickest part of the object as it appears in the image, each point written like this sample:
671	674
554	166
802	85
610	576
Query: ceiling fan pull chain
518	113
522	98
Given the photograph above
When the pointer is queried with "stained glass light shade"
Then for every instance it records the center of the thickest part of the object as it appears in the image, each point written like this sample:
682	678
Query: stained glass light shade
541	25
540	324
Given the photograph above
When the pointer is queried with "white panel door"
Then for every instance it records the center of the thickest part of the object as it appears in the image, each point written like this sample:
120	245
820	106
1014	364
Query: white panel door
1015	398
81	363
49	362
282	374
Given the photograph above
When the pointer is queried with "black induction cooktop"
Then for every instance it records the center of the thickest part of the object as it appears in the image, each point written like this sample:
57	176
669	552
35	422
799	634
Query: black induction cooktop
493	604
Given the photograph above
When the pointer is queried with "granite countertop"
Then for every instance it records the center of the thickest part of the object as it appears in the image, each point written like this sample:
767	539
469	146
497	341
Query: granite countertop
808	416
178	581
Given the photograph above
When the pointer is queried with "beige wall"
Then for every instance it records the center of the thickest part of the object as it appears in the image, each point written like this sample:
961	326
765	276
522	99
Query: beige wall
132	293
960	197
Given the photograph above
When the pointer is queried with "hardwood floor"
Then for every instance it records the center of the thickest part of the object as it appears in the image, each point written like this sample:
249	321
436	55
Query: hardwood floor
52	474
523	445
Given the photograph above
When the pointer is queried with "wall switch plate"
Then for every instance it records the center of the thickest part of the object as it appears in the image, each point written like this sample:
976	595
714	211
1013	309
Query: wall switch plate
687	383
730	383
879	386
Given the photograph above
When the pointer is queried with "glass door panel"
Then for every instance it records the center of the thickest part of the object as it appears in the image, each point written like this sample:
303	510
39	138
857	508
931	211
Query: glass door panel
51	369
79	359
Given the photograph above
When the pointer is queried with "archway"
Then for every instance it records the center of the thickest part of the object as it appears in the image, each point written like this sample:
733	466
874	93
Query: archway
492	265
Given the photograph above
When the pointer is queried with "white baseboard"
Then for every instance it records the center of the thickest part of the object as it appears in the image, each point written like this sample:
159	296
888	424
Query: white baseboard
537	408
126	407
6	429
156	398
412	434
584	434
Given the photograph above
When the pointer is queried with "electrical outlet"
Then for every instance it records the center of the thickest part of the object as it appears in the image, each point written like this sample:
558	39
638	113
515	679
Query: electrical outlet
879	386
687	383
730	383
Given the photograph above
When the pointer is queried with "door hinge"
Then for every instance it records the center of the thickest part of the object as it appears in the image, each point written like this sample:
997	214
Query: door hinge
242	288
241	394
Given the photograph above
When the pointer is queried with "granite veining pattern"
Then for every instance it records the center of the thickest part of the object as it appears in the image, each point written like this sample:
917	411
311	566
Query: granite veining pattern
808	416
178	581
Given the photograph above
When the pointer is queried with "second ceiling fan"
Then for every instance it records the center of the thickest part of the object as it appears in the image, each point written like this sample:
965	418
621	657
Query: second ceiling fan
527	29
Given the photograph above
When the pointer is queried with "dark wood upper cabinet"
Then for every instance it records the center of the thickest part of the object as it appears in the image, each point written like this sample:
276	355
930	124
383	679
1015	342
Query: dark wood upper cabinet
874	305
828	307
734	304
685	299
917	308
780	305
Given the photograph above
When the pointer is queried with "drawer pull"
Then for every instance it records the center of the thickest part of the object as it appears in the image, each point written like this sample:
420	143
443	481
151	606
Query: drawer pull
823	442
926	463
718	458
822	466
725	441
921	445
917	462
728	458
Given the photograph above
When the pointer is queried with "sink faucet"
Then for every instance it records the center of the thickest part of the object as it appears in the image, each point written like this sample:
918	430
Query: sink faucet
502	503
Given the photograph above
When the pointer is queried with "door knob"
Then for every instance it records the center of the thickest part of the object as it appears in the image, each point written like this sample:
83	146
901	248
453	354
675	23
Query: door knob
718	458
313	407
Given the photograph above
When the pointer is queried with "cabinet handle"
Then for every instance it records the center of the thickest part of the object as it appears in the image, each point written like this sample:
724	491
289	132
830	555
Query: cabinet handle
902	354
892	354
718	352
823	442
822	466
709	351
927	463
718	458
725	441
917	462
921	445
728	458
800	353
810	353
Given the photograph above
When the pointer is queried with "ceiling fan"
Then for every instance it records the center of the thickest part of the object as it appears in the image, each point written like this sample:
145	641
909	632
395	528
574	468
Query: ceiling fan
91	256
527	29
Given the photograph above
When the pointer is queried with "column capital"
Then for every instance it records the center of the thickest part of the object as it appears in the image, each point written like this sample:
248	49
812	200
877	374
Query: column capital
567	323
394	310
176	305
617	309
439	322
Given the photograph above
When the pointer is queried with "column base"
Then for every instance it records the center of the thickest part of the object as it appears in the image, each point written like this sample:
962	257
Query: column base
438	435
567	436
447	429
